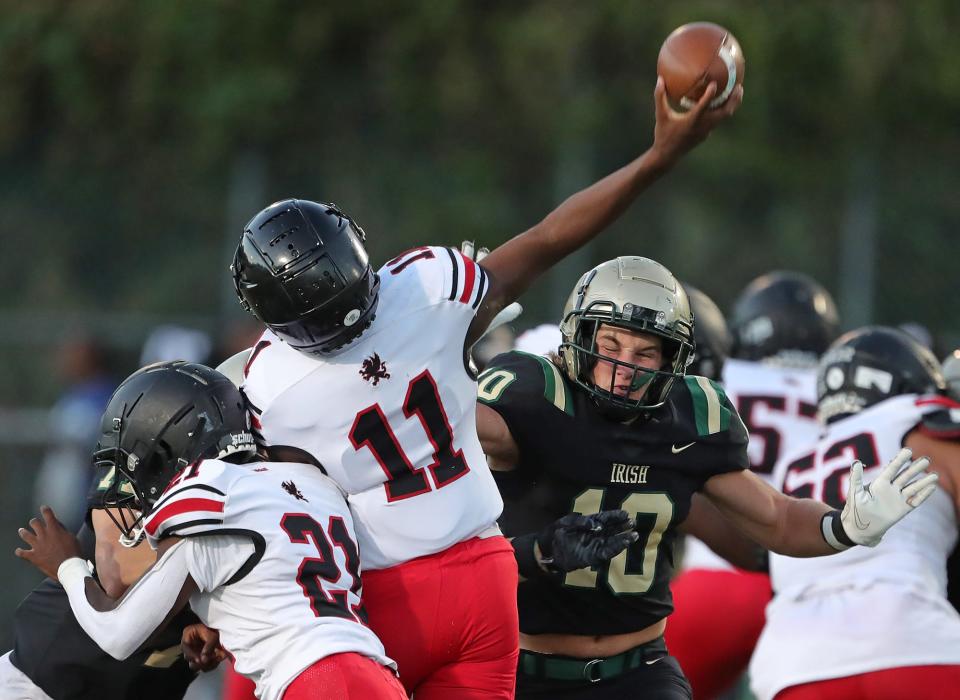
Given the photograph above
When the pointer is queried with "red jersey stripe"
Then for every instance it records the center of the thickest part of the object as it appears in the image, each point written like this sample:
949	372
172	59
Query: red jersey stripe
204	505
253	355
937	401
470	275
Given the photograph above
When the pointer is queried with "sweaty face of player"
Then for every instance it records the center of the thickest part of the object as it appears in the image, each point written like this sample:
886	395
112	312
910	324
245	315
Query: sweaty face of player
633	347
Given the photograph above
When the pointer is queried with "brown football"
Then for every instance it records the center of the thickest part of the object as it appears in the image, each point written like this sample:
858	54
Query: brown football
695	55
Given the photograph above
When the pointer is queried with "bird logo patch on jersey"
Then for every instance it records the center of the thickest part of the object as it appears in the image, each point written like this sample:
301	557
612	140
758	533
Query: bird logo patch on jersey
292	489
374	369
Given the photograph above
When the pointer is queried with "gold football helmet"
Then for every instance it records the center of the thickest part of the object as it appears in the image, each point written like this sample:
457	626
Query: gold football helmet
637	294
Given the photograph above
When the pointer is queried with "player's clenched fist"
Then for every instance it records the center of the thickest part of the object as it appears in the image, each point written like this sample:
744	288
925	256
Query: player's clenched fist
575	542
201	647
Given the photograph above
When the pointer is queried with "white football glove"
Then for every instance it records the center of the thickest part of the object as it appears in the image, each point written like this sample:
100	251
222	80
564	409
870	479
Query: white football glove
873	509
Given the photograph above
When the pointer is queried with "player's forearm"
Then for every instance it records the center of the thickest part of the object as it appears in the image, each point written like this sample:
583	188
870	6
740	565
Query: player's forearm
585	214
579	219
707	523
120	627
799	532
777	522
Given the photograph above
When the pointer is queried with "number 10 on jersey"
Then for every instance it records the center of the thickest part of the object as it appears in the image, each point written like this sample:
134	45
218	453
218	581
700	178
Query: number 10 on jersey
620	581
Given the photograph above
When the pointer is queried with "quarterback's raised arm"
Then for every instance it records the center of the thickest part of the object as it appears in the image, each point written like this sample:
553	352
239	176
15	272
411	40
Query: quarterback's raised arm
513	266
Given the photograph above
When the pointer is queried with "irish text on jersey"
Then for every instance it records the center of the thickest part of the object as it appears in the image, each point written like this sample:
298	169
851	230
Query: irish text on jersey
628	474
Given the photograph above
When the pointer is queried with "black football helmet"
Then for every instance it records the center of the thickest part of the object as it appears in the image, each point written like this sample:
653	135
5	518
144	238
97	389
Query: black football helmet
161	419
783	317
711	336
301	268
868	365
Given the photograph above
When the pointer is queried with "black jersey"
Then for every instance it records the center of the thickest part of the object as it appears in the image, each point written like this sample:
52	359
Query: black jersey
573	459
56	654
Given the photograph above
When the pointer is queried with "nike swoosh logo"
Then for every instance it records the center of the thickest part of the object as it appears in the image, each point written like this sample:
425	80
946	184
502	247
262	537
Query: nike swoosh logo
856	519
677	450
651	662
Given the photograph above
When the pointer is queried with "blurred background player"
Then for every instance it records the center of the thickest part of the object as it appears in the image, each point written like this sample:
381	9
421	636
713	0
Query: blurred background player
781	323
951	373
540	340
366	373
64	475
713	340
263	552
869	623
617	425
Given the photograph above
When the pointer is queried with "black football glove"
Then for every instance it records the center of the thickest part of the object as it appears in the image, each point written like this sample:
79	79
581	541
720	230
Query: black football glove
574	542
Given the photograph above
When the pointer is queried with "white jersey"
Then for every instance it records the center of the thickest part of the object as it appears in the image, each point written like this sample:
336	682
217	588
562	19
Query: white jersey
392	416
864	609
778	405
296	597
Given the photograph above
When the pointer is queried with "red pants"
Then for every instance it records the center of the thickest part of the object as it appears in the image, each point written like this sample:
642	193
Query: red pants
717	619
237	687
347	676
449	620
913	682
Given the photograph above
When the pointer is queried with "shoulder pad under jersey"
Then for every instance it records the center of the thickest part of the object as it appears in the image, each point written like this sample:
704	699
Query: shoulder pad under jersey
521	380
442	274
196	502
705	413
943	419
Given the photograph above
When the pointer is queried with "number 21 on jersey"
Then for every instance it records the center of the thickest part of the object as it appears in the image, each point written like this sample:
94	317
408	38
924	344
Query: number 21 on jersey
659	509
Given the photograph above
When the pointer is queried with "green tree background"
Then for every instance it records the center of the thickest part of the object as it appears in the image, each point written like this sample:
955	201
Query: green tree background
124	128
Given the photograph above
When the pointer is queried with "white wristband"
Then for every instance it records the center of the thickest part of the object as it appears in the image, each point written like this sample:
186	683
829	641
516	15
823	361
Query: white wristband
827	523
73	571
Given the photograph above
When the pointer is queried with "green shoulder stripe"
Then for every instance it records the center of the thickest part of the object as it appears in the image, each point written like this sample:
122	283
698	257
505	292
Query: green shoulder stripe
555	389
711	414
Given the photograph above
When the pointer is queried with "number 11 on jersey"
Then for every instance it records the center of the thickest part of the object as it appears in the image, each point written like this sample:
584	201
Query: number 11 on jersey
404	480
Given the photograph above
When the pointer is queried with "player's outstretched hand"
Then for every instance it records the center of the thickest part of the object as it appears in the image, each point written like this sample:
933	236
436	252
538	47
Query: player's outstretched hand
50	543
678	132
873	509
201	647
576	541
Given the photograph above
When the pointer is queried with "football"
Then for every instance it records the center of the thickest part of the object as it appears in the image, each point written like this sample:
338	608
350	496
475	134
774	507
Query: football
695	55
